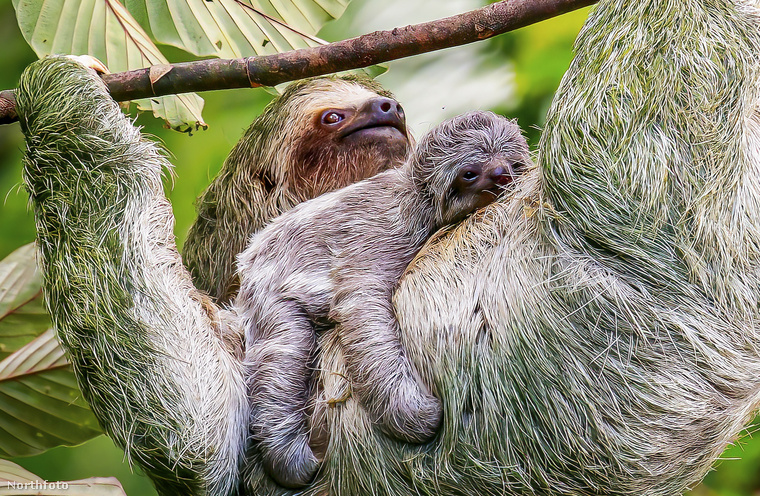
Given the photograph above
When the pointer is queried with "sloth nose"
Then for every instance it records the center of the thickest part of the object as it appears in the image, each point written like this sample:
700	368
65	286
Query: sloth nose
383	105
386	108
501	175
382	111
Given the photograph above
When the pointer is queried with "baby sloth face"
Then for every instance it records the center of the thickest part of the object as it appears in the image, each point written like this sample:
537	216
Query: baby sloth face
467	162
478	184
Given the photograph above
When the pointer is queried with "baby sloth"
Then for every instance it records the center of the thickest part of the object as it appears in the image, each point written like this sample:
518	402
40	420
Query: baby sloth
336	260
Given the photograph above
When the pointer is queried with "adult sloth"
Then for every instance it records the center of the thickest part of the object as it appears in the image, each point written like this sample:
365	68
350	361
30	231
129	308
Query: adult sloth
593	333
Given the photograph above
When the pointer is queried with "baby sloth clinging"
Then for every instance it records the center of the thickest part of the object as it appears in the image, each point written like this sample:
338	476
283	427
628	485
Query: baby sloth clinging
336	260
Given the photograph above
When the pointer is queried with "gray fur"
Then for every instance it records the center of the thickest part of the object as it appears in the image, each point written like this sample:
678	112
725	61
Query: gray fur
268	172
593	333
336	260
148	355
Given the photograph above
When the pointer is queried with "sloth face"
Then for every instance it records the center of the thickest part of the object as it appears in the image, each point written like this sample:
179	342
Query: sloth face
478	184
343	131
465	163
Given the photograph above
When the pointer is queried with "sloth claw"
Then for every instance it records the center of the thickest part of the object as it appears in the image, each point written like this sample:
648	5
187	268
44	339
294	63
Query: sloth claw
293	466
415	421
90	62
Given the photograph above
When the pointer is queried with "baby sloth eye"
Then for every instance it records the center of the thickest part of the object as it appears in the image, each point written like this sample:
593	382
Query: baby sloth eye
469	175
332	117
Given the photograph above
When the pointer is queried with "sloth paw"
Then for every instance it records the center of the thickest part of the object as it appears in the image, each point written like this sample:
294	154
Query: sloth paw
90	62
413	418
293	465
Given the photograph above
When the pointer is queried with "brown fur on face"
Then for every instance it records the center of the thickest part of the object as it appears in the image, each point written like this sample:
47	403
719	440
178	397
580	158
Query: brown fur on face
288	155
320	162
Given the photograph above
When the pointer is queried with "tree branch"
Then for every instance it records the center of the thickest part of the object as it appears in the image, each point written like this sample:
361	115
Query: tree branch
363	51
7	107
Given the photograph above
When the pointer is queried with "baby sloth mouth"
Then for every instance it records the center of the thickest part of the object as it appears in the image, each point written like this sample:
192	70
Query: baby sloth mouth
501	178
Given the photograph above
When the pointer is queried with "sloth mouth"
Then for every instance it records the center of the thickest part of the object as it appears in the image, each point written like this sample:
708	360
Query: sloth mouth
490	195
376	132
502	181
370	125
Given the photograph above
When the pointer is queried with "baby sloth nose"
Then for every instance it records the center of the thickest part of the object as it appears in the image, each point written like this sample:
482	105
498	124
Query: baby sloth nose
501	175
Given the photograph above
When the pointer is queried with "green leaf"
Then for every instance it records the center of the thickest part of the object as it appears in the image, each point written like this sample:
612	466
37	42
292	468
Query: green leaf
107	31
22	314
20	481
22	326
40	404
19	279
236	28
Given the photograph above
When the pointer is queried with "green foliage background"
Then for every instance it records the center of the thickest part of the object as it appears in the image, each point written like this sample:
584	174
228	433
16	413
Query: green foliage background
535	59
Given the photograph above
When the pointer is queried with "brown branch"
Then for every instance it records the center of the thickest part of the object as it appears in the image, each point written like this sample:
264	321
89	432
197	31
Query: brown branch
363	51
7	107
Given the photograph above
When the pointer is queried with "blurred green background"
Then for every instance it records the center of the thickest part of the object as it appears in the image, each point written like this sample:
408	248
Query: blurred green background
514	74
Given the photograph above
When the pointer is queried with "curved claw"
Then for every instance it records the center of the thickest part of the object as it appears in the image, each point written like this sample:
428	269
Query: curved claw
91	63
292	466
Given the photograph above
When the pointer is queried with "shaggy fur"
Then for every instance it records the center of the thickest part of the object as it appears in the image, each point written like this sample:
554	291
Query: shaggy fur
337	259
283	159
597	332
593	333
146	353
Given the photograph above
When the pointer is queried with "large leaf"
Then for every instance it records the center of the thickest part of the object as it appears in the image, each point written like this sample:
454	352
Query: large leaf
22	315
239	28
40	404
18	481
103	29
236	28
223	28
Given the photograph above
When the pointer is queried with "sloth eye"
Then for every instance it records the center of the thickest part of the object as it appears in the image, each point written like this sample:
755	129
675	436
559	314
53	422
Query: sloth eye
332	117
469	175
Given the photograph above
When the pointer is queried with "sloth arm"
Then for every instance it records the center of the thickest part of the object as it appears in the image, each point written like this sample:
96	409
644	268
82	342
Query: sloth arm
381	374
143	341
280	345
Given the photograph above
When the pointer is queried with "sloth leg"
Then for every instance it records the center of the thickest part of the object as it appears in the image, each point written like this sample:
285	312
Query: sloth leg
381	374
279	351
